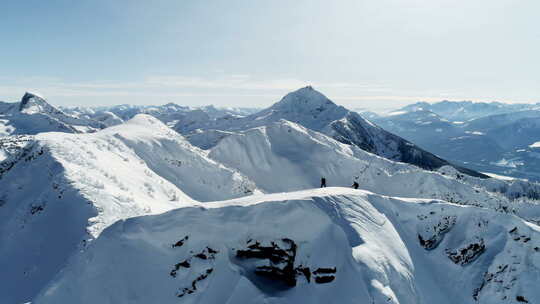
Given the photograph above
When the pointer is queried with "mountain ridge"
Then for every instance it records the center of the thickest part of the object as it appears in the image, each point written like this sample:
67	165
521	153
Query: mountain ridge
314	110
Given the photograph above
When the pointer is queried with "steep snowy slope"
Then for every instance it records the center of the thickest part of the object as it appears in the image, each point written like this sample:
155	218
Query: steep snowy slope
59	191
331	245
34	115
284	156
315	111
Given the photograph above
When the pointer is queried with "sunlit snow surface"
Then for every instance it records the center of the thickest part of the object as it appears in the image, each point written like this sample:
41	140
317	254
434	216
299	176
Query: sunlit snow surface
370	242
135	214
58	191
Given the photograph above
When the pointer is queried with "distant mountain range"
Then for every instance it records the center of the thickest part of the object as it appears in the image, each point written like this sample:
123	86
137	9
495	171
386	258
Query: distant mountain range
467	110
488	137
313	110
115	211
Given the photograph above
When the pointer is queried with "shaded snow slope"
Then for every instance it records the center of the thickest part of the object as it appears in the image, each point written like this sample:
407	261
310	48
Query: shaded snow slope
494	143
285	156
315	111
331	245
33	115
59	190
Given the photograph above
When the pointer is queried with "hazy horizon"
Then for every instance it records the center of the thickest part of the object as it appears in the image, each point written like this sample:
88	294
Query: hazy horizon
376	55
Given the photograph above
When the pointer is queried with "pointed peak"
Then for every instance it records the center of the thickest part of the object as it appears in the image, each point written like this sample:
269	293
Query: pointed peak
307	88
306	98
32	103
29	96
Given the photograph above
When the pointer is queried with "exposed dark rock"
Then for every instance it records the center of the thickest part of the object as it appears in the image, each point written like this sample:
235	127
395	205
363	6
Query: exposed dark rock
324	270
517	237
277	274
36	209
177	266
489	277
276	256
207	253
521	299
181	242
437	233
201	256
468	254
281	260
211	251
193	288
305	272
273	253
324	279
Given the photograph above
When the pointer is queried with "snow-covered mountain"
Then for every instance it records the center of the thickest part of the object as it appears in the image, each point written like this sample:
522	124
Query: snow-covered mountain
331	245
495	143
285	156
58	191
466	110
169	114
135	213
315	111
450	140
34	115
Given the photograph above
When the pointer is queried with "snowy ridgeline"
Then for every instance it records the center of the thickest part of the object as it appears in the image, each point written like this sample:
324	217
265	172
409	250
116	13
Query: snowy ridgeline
33	115
313	110
284	156
60	193
331	245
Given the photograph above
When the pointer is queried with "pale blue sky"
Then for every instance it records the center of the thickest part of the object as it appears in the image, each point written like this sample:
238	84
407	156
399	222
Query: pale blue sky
372	54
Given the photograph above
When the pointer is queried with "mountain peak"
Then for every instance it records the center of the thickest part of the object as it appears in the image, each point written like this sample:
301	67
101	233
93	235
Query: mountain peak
33	103
304	99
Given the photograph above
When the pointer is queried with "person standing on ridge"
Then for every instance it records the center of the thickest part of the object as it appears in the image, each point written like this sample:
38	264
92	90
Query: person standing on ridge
355	185
323	182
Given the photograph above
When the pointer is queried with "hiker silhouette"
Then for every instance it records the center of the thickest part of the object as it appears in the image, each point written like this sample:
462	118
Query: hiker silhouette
323	182
355	185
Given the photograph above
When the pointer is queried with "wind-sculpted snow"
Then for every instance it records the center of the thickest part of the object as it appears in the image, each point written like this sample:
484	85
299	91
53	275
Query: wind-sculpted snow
330	245
58	191
284	156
